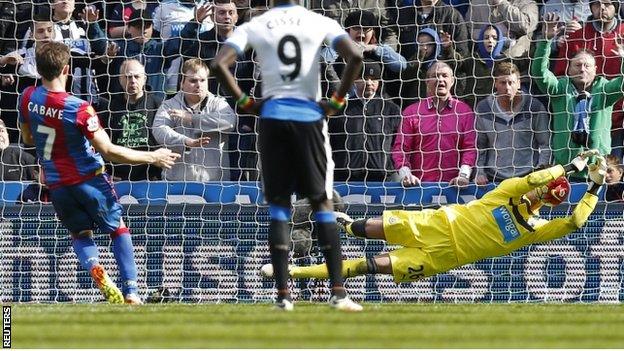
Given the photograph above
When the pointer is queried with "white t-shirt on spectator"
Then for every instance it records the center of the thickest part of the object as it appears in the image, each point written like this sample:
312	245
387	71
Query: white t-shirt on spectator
169	18
29	67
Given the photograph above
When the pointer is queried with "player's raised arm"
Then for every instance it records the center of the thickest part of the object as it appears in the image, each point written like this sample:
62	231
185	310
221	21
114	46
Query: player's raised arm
353	57
220	68
163	158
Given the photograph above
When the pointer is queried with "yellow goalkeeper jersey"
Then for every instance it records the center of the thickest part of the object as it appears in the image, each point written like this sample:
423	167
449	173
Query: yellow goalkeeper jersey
501	221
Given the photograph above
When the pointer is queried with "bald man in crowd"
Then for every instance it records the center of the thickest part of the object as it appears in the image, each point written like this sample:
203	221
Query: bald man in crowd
130	119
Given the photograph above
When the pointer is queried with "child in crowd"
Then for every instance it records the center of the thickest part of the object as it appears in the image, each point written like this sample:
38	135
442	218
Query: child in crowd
613	178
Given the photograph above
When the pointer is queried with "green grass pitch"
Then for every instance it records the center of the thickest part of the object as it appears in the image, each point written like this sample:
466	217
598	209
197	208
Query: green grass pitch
314	325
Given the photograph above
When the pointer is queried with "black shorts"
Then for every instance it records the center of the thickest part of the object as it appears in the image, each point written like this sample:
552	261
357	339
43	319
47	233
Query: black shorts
295	157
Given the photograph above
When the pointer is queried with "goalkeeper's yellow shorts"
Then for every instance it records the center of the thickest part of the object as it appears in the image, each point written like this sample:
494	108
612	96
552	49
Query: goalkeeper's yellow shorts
426	238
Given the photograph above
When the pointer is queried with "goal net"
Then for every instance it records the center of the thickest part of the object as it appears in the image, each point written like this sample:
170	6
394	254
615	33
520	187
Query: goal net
201	232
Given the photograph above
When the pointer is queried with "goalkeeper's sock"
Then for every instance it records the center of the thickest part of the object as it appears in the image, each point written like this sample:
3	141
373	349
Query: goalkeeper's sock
279	246
358	228
329	243
350	268
124	255
86	250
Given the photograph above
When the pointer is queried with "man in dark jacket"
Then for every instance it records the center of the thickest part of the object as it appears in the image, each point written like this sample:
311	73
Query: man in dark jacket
16	164
130	119
363	27
384	10
362	137
14	21
206	44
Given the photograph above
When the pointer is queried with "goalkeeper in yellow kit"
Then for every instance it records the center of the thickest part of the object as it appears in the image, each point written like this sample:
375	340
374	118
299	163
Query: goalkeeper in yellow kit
435	241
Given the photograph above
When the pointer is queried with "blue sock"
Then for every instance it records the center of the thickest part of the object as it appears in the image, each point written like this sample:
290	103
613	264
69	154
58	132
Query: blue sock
124	255
325	217
329	243
279	241
279	213
87	252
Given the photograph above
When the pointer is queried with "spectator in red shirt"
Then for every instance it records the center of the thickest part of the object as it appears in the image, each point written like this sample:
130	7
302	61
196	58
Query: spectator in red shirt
599	36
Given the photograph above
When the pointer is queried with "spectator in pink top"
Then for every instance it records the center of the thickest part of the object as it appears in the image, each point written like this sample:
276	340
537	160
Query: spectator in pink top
436	140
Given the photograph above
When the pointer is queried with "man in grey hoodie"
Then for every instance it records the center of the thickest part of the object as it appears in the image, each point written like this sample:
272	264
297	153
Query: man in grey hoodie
195	123
513	130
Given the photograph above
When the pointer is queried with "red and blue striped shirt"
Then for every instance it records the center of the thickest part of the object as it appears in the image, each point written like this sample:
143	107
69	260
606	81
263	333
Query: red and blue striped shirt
61	125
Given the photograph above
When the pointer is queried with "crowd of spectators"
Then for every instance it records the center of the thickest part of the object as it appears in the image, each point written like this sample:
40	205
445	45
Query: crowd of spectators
458	91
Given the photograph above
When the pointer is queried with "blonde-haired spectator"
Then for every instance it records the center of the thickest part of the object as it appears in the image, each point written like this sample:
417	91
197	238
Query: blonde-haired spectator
513	130
195	124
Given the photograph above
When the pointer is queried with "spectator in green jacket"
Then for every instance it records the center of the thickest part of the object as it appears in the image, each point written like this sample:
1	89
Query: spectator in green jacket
581	101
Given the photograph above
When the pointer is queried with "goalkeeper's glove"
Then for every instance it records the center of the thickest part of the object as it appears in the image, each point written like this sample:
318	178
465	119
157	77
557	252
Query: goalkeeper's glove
598	170
580	162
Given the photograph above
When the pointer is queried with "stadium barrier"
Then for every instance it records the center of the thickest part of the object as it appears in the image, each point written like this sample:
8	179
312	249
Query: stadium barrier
161	192
212	253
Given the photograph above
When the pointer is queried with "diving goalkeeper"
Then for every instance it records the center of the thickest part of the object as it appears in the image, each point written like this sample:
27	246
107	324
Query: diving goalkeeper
435	241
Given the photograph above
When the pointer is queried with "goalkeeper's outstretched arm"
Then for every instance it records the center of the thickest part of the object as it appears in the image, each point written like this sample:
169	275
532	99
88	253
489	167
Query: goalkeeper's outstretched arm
560	227
542	177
